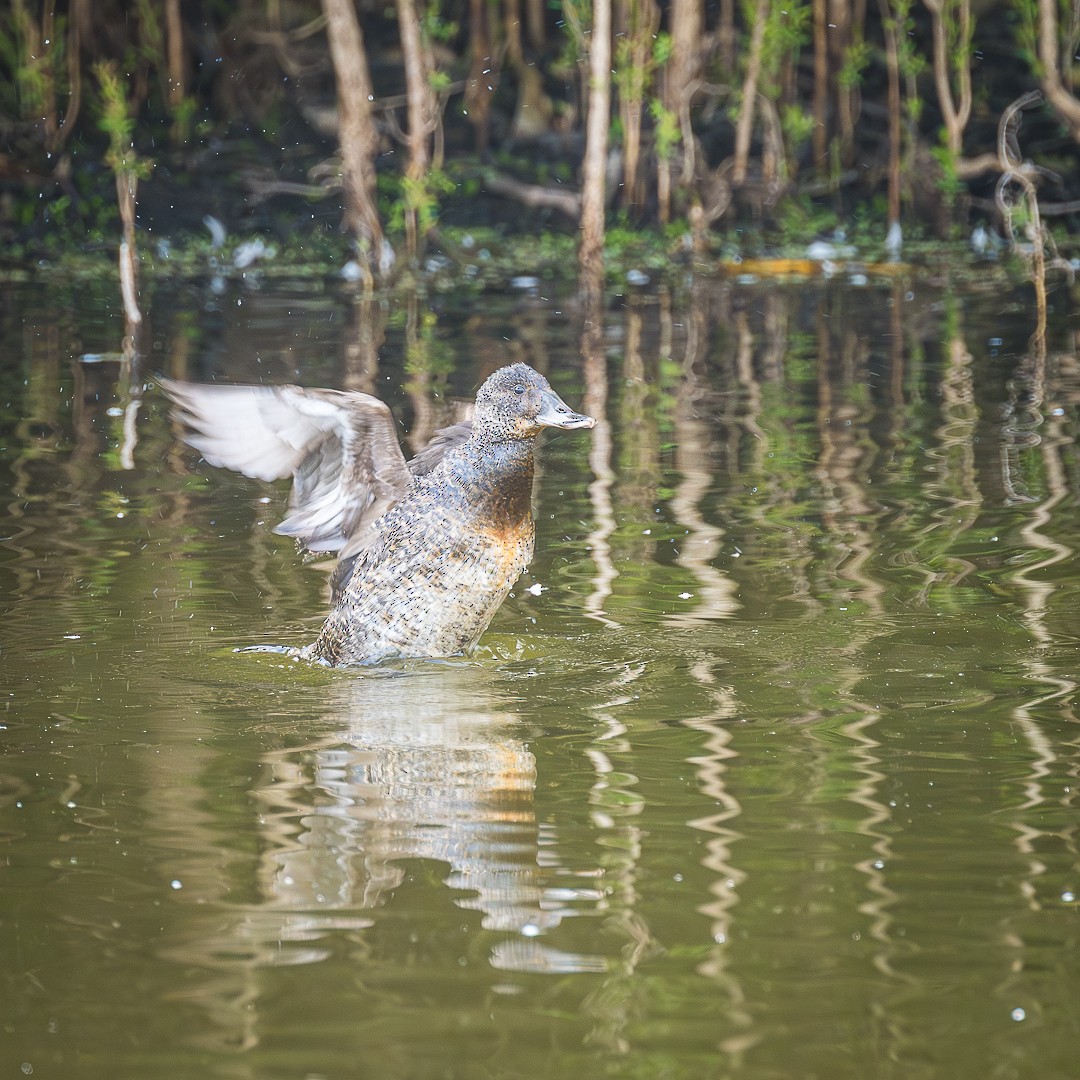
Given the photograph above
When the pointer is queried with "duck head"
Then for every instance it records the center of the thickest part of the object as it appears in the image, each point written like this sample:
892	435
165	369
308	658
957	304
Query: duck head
517	401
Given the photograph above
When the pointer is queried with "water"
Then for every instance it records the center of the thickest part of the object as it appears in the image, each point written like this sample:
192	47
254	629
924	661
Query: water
774	776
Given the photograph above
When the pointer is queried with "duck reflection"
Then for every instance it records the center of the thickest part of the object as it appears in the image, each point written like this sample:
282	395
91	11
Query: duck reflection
420	765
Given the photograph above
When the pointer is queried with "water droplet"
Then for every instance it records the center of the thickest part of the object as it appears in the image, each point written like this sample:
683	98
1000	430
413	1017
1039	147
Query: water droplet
1018	1014
176	883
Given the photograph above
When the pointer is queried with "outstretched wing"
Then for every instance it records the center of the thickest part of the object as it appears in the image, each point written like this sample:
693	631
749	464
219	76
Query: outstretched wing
340	448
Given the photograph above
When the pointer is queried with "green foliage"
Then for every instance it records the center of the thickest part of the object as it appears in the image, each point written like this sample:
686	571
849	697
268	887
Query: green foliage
1026	14
36	68
434	26
421	197
183	116
18	51
666	130
577	14
856	60
958	40
912	62
630	78
949	183
662	48
800	217
439	81
626	247
151	37
118	124
786	31
796	125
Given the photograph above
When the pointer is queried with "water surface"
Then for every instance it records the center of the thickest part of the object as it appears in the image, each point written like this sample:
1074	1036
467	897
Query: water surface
767	769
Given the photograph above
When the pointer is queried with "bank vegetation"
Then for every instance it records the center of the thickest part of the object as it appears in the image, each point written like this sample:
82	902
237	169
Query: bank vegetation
390	119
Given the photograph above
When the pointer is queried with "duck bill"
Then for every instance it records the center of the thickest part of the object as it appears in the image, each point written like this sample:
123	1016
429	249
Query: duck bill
554	412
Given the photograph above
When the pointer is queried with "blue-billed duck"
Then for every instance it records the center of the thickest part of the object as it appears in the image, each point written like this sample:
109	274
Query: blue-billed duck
429	548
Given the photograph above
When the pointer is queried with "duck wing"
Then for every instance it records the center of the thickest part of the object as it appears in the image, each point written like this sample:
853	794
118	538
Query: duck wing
340	447
439	445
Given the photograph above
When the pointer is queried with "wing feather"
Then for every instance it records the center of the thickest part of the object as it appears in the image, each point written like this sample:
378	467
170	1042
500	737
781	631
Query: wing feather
340	447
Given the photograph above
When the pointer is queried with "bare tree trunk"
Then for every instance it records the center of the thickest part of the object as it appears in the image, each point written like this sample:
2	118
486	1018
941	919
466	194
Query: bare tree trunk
177	81
955	111
78	14
534	16
356	132
49	51
687	29
892	65
175	37
420	99
820	137
725	33
663	190
127	186
483	77
639	19
849	19
1063	103
534	109
591	250
745	127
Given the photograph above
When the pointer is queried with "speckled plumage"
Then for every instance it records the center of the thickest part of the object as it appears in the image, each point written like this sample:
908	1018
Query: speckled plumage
429	550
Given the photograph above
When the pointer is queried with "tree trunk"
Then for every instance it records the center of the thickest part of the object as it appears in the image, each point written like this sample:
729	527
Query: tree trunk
534	15
820	138
174	36
892	66
687	29
744	129
127	186
483	77
954	111
534	109
847	96
725	33
420	100
591	251
78	19
1063	103
356	133
639	19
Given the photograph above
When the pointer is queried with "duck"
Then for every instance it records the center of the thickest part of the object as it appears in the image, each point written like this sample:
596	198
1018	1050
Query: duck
428	548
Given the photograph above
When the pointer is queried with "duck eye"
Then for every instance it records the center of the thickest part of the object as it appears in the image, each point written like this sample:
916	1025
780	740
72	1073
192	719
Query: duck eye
519	389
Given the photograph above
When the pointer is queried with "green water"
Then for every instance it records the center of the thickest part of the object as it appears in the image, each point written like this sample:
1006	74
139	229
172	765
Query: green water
774	776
